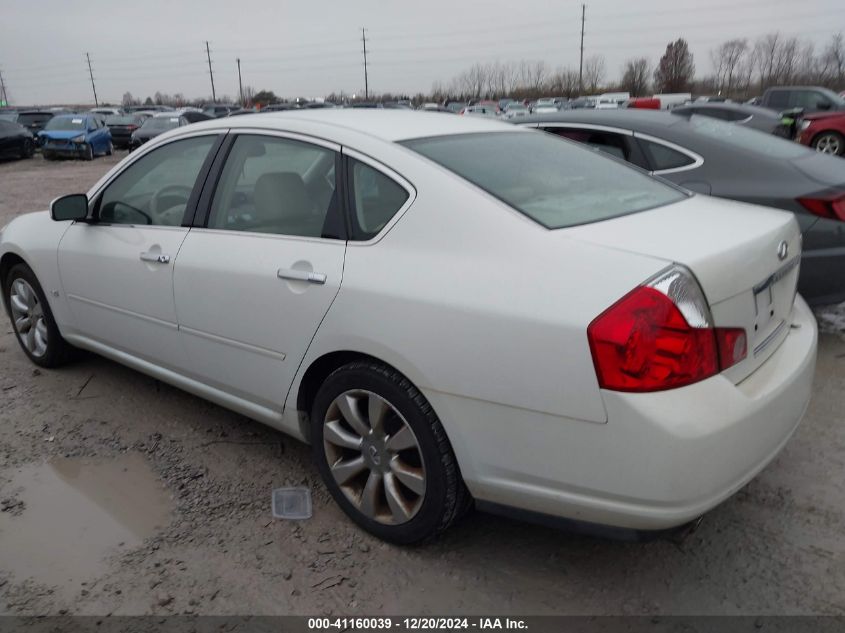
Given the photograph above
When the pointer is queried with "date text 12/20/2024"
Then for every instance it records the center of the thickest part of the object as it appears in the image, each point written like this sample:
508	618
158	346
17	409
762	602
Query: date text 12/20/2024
416	624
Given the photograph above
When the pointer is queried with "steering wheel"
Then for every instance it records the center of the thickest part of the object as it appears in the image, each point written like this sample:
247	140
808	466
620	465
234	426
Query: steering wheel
155	201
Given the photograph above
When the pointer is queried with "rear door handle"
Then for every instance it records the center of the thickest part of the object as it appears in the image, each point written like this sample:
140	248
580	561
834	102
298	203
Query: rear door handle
155	258
301	275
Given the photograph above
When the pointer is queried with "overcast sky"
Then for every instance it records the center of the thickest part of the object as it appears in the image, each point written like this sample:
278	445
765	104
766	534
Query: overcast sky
310	48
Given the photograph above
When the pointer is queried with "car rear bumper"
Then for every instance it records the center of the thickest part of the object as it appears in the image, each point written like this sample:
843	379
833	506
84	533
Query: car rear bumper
661	460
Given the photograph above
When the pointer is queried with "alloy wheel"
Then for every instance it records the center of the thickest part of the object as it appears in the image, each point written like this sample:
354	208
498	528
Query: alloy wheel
374	456
828	144
28	317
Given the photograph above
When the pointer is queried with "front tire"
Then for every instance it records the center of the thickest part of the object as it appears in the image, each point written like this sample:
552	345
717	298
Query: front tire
89	153
384	454
32	320
831	143
109	149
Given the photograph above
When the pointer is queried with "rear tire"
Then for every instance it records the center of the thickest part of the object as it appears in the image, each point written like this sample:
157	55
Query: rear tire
392	470
32	320
832	143
27	149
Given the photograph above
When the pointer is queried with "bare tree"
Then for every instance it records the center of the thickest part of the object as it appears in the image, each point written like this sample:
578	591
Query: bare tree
635	76
675	71
564	82
594	72
532	75
833	59
727	60
128	99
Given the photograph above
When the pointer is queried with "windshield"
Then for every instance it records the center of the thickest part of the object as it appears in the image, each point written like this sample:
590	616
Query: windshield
745	138
161	123
554	182
66	123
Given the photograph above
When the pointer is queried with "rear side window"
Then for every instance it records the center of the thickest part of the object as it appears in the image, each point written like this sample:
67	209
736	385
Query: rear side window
376	198
277	185
662	157
554	183
607	142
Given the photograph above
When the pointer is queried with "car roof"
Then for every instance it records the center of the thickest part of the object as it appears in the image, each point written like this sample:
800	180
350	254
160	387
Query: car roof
736	107
384	124
165	115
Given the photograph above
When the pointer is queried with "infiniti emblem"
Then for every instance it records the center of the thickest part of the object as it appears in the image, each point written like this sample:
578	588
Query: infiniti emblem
783	250
374	456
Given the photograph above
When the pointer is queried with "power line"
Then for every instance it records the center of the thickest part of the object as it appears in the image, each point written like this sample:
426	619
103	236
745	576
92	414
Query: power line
91	74
210	72
581	61
240	83
366	82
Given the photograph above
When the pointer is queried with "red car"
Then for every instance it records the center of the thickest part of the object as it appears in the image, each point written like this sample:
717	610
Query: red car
824	131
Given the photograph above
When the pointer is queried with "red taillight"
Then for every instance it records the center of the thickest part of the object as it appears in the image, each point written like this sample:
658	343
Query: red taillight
826	205
644	342
131	127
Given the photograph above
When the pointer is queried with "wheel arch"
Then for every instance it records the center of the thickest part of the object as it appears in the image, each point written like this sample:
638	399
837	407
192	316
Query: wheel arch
8	261
821	133
319	369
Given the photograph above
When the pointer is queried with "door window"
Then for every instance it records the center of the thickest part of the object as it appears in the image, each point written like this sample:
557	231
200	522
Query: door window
155	189
376	199
280	186
778	99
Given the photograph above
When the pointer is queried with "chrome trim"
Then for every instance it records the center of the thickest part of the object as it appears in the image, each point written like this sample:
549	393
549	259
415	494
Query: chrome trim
769	339
776	276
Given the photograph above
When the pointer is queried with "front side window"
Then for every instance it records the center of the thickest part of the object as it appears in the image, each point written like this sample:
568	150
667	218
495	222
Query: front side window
277	185
778	99
376	199
155	189
554	183
662	157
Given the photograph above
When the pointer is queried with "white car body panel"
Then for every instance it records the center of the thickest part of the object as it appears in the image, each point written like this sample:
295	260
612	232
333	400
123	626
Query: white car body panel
483	309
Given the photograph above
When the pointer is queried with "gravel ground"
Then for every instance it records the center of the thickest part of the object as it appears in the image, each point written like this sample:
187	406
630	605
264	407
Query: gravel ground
122	495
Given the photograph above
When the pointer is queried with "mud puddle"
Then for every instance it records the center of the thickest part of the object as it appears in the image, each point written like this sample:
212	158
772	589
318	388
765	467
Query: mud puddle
62	519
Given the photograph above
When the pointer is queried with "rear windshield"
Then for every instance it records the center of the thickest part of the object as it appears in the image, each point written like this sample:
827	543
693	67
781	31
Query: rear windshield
36	117
161	123
746	139
554	182
121	119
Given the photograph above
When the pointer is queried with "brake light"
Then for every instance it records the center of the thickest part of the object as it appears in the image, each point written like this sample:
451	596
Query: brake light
660	336
829	205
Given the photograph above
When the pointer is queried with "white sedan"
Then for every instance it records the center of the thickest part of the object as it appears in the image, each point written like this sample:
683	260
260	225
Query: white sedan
552	335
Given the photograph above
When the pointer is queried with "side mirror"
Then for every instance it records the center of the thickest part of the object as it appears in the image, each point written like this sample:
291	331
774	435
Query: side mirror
72	207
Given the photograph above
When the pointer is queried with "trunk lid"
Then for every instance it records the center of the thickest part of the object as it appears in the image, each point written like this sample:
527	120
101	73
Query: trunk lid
822	168
736	252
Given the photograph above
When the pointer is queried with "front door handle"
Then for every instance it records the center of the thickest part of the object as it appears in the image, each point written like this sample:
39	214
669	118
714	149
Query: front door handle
155	258
301	275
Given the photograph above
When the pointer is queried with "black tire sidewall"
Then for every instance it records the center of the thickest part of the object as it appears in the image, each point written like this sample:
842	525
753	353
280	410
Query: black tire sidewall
426	522
56	348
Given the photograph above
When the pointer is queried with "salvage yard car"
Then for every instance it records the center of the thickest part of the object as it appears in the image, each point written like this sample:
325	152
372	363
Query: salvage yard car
723	159
75	136
156	125
557	335
15	141
824	132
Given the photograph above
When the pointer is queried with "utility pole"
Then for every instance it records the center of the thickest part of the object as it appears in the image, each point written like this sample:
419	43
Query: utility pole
366	83
240	84
210	73
3	96
581	64
93	87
